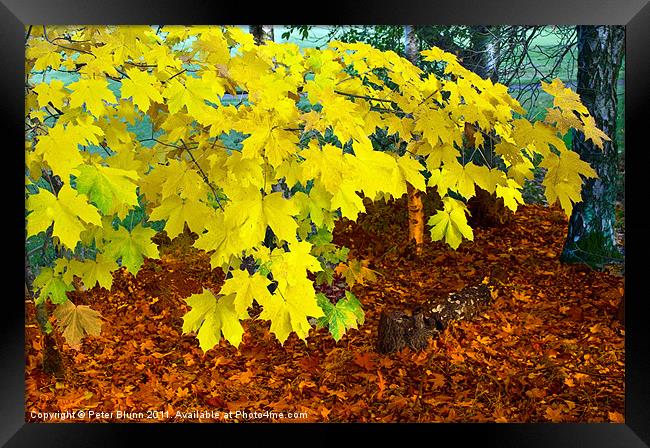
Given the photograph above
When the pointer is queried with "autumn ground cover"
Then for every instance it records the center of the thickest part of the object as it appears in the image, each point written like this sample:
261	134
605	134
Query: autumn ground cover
547	349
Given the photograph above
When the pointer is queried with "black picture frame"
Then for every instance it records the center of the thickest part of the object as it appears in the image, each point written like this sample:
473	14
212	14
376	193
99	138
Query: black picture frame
634	14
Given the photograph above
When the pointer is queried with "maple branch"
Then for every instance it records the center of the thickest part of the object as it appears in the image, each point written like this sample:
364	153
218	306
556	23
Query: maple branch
392	111
34	250
59	184
205	176
122	73
427	97
135	64
345	79
105	148
163	143
68	39
63	46
48	236
169	79
59	112
363	97
113	77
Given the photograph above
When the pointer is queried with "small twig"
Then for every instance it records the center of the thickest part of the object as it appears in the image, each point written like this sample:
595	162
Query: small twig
205	177
105	148
174	76
122	73
135	64
369	98
63	46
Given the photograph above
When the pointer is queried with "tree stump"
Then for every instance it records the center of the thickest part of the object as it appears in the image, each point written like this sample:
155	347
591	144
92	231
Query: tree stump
399	329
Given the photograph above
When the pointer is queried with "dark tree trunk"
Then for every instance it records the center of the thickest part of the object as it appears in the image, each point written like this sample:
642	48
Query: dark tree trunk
591	236
484	59
486	209
261	33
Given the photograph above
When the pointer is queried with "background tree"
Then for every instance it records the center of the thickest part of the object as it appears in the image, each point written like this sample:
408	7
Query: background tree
591	237
262	33
484	51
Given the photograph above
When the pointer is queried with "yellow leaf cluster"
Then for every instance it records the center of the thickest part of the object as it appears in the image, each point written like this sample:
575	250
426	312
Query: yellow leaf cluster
251	147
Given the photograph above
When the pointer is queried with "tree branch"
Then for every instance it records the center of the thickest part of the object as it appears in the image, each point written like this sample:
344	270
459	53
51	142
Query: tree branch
205	176
352	95
63	46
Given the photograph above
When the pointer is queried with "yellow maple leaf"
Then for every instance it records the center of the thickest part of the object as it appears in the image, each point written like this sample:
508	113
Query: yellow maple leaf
246	287
178	211
59	149
69	211
211	316
451	223
92	93
142	87
511	194
191	95
348	200
593	133
563	97
356	271
52	92
562	180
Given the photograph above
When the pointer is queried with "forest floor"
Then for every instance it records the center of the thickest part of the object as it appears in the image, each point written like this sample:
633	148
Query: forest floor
547	349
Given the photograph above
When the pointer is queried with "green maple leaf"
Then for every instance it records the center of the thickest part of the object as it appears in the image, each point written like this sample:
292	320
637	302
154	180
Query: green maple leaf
107	187
51	284
339	318
132	246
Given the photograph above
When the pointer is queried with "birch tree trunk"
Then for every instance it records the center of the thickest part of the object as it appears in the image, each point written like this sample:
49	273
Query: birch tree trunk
415	207
591	236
